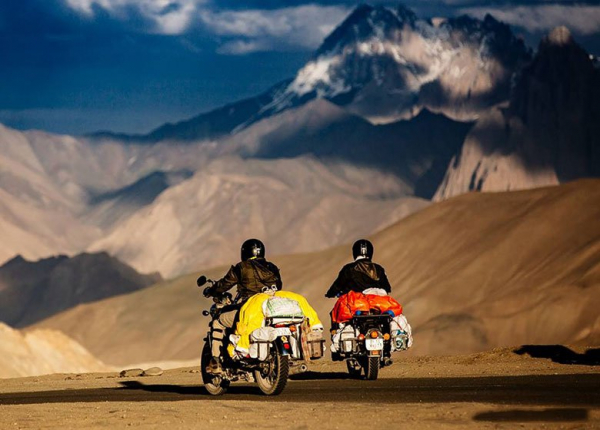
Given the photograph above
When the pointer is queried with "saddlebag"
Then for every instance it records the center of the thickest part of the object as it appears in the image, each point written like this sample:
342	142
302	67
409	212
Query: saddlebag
316	344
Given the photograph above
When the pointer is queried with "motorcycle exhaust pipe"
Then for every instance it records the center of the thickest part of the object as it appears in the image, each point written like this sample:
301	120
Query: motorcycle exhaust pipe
298	369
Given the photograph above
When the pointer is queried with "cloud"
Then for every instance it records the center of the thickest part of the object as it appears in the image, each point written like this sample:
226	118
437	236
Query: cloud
583	19
302	27
166	16
239	30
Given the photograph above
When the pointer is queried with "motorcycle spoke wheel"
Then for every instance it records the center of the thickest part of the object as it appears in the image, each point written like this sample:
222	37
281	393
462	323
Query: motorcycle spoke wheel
275	379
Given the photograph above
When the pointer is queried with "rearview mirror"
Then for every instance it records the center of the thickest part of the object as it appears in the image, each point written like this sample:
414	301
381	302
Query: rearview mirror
201	280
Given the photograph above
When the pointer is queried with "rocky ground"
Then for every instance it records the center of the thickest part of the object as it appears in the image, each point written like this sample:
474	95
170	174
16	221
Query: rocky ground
527	387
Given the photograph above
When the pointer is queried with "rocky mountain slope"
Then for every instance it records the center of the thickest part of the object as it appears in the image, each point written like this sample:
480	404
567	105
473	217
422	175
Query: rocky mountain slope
31	291
473	272
548	133
41	352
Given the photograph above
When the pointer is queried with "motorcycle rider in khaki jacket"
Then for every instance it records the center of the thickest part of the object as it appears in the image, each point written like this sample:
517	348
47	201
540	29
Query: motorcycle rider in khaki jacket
250	275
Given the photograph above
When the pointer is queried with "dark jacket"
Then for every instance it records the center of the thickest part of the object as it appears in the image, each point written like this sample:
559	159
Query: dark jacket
358	276
250	277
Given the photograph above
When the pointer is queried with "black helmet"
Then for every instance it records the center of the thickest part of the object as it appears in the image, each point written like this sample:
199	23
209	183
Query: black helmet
252	248
362	248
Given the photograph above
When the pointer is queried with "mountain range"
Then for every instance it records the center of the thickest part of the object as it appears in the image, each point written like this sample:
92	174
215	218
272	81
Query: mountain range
383	64
392	110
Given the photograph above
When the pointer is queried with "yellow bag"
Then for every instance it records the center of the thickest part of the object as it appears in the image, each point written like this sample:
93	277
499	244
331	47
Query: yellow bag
251	317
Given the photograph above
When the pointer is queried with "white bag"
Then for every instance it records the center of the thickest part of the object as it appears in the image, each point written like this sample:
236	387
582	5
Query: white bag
259	342
376	292
278	307
399	325
343	338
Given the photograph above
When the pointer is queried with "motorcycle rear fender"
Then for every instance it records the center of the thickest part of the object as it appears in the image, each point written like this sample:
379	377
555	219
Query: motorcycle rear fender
279	344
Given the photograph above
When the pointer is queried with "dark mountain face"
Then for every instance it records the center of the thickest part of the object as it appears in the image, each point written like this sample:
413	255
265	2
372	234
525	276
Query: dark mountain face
32	291
558	99
549	132
383	64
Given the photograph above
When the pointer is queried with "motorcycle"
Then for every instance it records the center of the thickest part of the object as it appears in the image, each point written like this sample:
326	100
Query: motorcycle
285	351
366	344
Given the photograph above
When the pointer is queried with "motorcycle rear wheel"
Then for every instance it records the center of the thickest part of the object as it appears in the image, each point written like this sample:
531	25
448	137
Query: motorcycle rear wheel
274	381
372	368
214	384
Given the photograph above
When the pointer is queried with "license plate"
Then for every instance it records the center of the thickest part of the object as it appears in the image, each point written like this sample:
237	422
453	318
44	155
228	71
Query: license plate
374	344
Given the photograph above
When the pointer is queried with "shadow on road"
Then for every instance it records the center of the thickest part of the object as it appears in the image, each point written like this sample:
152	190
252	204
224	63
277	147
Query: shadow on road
527	415
320	376
561	354
572	390
185	390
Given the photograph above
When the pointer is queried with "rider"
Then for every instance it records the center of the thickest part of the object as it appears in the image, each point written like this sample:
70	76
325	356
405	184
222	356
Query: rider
251	275
361	274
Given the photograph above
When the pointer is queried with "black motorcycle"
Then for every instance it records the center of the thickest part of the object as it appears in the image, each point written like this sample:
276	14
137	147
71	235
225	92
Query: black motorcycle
365	343
287	352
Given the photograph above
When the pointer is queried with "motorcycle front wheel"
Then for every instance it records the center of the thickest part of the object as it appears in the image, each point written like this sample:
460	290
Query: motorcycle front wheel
214	384
273	378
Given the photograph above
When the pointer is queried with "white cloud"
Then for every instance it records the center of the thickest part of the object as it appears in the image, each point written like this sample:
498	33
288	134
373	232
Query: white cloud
168	16
241	31
580	19
259	30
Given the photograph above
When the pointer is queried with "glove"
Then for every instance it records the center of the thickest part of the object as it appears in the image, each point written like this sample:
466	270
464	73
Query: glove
207	292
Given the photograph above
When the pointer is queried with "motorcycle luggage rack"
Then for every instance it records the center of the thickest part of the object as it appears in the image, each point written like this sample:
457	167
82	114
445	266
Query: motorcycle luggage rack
289	320
372	318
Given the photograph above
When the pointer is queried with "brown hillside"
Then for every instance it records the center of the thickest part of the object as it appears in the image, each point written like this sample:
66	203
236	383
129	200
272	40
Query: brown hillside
473	272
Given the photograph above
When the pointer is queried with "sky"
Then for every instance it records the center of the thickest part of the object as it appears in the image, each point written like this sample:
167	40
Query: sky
79	66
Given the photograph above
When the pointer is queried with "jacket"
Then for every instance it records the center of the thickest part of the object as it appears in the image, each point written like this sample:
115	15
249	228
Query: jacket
358	276
250	276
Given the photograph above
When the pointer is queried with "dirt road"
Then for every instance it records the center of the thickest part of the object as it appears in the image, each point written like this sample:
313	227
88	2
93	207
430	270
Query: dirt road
477	391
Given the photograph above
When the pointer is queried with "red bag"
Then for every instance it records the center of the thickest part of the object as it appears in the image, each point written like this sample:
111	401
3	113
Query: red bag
384	304
347	305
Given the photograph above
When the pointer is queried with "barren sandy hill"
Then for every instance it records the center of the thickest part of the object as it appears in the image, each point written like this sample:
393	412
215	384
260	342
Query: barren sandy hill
474	272
40	352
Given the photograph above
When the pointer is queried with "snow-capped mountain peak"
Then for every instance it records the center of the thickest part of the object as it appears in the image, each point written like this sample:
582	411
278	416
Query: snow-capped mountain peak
386	64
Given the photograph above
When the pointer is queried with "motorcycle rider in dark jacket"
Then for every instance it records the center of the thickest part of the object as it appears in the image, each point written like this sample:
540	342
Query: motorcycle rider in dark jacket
251	275
361	274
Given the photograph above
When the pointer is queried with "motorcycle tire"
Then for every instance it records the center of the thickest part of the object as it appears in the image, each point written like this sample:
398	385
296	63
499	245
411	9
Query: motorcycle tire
275	381
214	384
372	368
